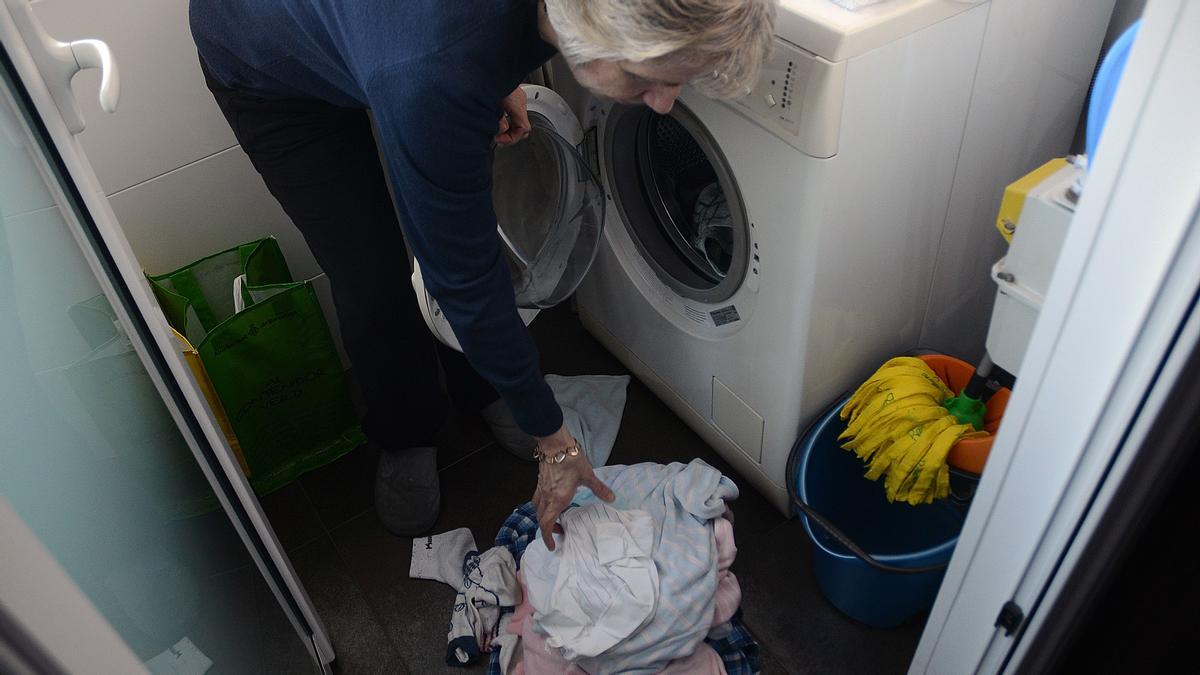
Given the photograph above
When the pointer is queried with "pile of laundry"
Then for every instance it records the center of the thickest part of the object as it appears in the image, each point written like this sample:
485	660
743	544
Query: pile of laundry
641	585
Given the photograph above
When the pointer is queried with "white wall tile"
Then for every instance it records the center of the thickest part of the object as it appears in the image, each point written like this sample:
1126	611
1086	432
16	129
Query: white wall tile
209	206
166	117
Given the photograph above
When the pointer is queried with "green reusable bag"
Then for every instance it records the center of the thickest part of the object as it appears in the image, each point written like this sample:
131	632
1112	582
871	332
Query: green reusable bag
267	349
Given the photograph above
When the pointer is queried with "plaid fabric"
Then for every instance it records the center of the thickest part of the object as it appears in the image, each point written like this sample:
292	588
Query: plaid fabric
518	530
516	533
738	650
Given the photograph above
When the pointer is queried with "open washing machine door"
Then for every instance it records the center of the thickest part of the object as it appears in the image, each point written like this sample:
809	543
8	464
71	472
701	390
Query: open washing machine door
549	209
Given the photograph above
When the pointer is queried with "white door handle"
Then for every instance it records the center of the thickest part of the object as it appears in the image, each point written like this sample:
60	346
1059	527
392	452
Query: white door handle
96	54
59	61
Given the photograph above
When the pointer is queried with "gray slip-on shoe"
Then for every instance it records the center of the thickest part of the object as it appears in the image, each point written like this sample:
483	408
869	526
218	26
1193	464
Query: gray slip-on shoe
407	495
506	432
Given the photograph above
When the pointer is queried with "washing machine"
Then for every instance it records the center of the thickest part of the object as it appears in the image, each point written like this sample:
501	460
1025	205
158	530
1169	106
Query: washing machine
756	258
829	182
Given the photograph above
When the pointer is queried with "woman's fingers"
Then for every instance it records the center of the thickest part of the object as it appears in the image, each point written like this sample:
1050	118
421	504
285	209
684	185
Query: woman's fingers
546	521
598	487
558	481
548	511
518	120
546	515
507	135
514	125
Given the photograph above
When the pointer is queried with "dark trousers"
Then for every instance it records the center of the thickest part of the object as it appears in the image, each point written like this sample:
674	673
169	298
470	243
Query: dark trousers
321	163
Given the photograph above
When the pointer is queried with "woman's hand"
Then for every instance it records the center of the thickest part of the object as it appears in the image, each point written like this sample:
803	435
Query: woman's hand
557	482
514	125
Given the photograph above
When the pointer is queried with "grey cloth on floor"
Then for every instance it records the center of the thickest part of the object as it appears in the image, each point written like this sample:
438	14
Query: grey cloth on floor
489	586
592	407
440	557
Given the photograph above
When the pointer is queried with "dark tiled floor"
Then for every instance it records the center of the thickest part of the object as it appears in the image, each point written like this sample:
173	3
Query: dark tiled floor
382	621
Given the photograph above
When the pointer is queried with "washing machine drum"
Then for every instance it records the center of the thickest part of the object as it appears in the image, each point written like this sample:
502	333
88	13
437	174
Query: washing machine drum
549	209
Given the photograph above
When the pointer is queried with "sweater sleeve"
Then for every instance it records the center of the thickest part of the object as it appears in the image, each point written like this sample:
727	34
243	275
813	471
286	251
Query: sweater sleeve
436	139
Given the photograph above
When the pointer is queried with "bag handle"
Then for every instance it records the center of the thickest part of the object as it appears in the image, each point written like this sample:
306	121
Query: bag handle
242	289
239	299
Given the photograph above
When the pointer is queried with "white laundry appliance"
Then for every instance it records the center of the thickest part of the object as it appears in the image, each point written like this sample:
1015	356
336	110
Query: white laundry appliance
836	172
761	256
831	182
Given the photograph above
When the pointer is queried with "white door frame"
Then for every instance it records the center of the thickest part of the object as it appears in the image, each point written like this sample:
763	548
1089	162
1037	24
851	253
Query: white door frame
1105	348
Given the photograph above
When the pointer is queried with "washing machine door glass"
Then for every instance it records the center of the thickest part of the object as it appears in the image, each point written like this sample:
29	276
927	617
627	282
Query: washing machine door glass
686	196
550	213
679	200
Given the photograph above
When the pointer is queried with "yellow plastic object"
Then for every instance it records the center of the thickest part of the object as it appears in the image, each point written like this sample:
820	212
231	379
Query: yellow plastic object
1016	192
197	366
898	426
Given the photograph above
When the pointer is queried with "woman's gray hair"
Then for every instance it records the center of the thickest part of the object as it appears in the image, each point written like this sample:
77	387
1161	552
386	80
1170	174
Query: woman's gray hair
735	36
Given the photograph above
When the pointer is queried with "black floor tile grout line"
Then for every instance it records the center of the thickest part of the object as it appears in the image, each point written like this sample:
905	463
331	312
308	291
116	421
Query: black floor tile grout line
317	515
306	542
383	627
328	531
364	514
783	523
231	571
467	456
325	527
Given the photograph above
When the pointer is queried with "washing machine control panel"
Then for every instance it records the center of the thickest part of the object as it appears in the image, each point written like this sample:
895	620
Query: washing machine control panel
798	97
780	87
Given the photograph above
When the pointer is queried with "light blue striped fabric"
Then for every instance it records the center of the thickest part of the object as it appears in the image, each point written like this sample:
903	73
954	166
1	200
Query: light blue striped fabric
682	499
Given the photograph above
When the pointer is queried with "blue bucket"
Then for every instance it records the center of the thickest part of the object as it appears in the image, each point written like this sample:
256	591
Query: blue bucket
915	542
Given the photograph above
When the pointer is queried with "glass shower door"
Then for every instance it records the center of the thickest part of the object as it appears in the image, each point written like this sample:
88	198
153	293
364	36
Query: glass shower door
105	453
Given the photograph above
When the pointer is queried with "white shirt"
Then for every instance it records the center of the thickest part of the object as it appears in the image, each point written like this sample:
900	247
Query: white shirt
600	585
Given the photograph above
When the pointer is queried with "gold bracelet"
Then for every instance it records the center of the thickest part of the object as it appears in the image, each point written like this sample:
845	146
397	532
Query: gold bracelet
558	457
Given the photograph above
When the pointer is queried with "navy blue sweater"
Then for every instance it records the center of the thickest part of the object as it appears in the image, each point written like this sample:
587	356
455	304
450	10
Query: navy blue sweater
433	72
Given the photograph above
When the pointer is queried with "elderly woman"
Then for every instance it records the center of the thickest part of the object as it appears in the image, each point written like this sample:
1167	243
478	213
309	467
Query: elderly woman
295	79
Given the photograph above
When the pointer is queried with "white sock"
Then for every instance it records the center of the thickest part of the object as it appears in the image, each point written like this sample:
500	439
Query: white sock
440	557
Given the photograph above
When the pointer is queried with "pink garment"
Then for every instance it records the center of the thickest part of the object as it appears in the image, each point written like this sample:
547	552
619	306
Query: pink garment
729	598
726	547
534	658
729	591
537	660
